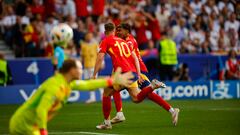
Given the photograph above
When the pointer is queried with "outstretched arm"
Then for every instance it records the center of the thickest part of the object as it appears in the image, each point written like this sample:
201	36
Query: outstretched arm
118	78
86	85
136	62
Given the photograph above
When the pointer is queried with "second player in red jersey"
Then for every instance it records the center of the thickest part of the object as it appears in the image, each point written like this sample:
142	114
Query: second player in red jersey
134	45
124	32
119	51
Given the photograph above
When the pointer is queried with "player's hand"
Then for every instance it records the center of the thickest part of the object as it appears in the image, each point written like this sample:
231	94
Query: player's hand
122	79
140	79
43	132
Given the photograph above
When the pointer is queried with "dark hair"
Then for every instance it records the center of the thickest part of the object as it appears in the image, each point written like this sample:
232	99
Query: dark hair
68	65
125	26
1	56
109	27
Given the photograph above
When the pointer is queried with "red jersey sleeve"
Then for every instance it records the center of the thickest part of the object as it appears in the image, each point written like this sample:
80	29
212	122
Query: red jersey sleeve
103	46
130	45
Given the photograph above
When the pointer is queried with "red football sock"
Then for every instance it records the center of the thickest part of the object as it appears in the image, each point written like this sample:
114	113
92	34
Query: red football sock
159	100
106	107
144	93
117	101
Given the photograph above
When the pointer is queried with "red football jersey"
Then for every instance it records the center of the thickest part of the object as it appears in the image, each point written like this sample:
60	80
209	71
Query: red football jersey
133	44
119	51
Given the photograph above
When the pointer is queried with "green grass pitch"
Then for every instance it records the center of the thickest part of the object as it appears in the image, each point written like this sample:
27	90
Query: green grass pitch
203	117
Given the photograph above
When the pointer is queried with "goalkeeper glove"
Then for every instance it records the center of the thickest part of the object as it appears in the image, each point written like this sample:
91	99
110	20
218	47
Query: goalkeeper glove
43	132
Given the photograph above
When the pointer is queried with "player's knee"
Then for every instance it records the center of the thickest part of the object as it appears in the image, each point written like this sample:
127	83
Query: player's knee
135	100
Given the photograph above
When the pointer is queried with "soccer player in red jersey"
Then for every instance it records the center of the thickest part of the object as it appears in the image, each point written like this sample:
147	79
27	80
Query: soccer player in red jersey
123	31
121	56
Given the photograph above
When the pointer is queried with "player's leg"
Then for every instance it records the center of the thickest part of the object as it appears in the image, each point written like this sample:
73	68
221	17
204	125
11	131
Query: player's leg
139	96
118	104
159	100
106	108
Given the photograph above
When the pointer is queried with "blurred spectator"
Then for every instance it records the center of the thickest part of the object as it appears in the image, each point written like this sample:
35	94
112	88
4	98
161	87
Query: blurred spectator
140	29
185	47
153	26
31	38
51	22
5	74
179	31
37	8
97	9
69	8
20	7
78	35
232	66
163	16
81	9
232	23
221	47
168	57
89	49
210	7
50	8
8	21
182	73
196	5
223	35
213	36
18	37
197	34
42	36
225	3
71	21
206	47
149	7
90	25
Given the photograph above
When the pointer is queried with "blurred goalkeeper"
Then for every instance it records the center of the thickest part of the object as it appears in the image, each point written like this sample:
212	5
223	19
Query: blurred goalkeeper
32	117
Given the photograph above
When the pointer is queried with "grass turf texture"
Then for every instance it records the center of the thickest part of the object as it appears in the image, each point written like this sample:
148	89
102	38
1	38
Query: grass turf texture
205	117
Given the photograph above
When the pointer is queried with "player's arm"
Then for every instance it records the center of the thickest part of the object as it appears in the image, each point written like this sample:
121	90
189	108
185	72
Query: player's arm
118	78
136	62
89	85
137	65
98	65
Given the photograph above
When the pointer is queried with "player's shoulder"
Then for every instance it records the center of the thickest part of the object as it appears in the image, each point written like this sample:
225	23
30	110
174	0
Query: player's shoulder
54	82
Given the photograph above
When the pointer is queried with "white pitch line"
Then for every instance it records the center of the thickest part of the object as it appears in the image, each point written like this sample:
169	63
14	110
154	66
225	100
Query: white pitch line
87	133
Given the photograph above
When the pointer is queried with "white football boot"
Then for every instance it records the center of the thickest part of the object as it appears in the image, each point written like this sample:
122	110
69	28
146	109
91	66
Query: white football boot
157	84
105	125
175	116
118	118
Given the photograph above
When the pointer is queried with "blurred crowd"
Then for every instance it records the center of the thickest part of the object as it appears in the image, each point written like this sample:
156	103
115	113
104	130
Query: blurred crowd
196	26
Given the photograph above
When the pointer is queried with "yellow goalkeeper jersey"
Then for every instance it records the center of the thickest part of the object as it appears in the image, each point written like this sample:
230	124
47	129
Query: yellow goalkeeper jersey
46	101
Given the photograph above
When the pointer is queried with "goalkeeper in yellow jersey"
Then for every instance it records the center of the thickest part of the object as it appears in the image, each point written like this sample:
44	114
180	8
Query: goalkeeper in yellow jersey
32	117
